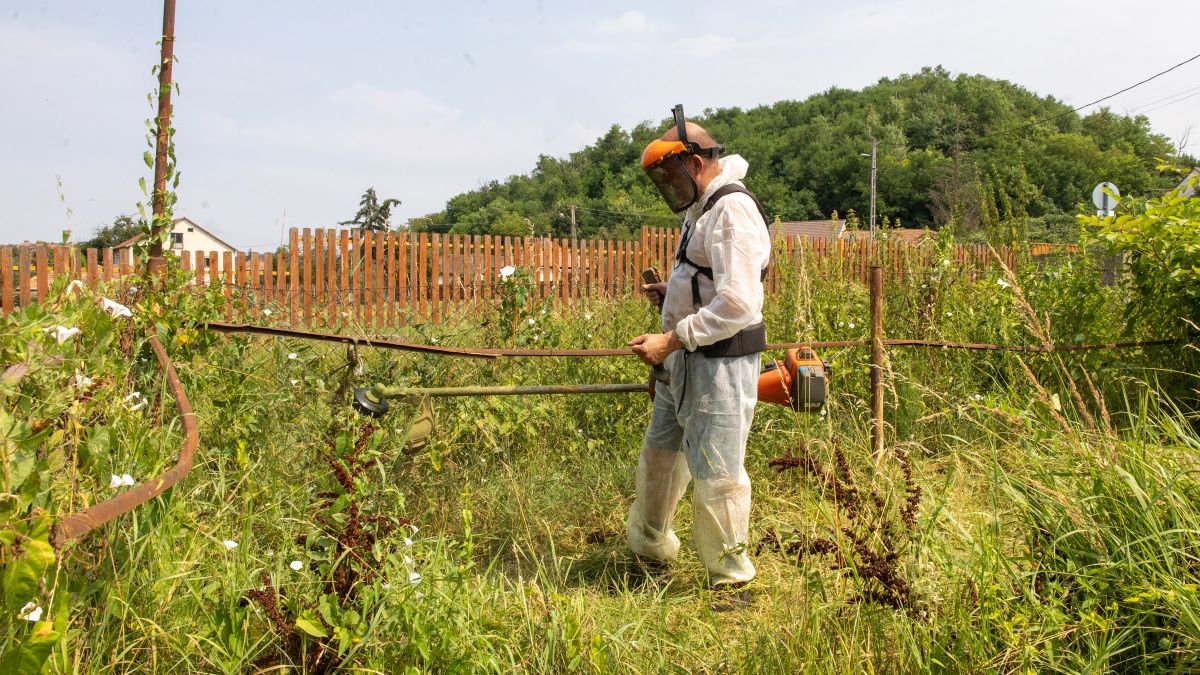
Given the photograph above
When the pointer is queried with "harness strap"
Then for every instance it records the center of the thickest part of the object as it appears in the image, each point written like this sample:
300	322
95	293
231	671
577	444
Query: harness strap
681	252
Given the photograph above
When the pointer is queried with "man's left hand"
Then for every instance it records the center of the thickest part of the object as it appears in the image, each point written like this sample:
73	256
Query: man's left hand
654	348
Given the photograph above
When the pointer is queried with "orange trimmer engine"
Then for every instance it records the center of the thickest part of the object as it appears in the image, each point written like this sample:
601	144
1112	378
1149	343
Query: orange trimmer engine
800	381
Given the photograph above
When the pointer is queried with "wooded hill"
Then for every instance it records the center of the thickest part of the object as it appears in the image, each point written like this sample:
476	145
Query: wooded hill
988	155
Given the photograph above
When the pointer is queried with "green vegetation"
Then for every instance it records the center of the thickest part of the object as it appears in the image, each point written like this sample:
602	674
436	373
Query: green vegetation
372	214
123	227
1032	512
964	149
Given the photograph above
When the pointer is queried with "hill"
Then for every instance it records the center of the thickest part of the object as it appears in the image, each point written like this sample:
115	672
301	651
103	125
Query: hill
986	154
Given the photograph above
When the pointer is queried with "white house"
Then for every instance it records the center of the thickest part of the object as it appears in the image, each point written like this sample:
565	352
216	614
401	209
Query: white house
187	237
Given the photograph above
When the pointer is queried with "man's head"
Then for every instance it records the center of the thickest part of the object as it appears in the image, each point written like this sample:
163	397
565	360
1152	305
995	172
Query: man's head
681	165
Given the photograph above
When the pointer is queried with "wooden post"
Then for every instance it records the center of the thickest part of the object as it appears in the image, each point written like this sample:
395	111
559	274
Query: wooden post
319	296
268	280
293	280
344	293
92	276
877	360
331	278
380	265
227	282
6	281
43	274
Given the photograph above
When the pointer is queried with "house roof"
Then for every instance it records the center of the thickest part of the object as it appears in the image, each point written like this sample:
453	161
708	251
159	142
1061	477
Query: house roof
813	229
137	237
823	229
1189	190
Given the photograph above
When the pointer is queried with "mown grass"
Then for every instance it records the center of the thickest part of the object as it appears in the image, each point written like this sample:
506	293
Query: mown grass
1046	539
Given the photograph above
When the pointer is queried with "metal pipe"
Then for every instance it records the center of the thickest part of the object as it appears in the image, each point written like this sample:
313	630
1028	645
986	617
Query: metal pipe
877	359
76	525
383	392
161	143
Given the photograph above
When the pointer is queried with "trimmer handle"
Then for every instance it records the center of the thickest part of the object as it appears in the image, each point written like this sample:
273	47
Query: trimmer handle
650	275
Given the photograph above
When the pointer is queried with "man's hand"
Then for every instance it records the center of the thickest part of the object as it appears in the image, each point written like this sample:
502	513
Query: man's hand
654	348
655	292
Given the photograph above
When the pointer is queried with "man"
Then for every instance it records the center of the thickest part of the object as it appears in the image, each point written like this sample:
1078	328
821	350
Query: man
709	347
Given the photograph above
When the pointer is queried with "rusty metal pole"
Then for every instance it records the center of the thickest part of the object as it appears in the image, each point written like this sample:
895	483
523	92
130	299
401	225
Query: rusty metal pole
877	360
157	264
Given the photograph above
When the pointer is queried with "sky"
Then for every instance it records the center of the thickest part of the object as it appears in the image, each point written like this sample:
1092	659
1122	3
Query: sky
288	111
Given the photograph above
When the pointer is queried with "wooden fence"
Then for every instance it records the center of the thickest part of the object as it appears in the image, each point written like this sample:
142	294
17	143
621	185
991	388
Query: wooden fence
328	277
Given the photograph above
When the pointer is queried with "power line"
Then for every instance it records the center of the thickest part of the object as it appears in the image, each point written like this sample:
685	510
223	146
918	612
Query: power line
1099	100
1146	105
1171	103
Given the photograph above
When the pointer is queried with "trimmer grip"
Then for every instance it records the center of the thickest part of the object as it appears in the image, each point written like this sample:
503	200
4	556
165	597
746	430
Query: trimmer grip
650	275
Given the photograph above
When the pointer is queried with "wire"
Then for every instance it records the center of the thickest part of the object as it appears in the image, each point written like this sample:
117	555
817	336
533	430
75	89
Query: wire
1171	103
1099	100
1146	105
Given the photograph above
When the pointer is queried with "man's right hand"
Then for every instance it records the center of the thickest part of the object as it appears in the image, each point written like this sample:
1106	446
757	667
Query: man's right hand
655	292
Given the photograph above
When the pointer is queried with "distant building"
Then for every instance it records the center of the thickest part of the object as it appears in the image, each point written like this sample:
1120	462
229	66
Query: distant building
836	229
1190	184
187	237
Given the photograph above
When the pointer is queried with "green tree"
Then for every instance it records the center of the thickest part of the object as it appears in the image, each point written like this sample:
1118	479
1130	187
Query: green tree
123	227
372	214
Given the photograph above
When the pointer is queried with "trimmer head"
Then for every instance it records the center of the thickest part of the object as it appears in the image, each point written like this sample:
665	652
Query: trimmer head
370	402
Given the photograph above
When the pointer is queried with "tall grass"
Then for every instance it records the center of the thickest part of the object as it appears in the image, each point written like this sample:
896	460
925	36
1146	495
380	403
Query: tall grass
1044	539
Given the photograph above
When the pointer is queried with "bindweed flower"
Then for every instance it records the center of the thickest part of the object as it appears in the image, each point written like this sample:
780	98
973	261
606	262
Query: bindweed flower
292	356
296	565
115	308
1003	284
851	325
135	401
414	528
62	333
294	382
949	313
266	312
229	544
414	578
946	262
123	480
31	612
407	541
532	321
82	380
76	285
507	271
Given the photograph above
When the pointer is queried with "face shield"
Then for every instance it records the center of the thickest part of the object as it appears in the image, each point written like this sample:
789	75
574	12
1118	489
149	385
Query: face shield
666	163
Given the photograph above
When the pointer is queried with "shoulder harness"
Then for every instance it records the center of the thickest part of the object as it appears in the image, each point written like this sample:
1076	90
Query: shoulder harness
749	340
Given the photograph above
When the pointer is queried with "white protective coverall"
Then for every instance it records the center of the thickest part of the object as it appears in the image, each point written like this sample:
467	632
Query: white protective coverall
700	422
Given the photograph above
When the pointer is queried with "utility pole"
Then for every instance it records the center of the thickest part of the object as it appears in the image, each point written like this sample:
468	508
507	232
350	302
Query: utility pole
157	265
572	222
874	145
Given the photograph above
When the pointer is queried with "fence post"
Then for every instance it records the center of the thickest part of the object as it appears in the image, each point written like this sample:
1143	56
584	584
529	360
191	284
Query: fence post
877	360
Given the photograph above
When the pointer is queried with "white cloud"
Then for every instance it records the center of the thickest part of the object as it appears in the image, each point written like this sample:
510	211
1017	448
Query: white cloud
707	45
629	22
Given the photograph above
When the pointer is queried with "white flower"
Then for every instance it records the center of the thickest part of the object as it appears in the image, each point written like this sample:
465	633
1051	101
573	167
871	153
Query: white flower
294	382
33	611
587	316
115	481
296	565
840	324
949	313
124	479
407	541
135	401
385	585
345	314
82	380
822	412
589	336
1003	284
507	271
851	326
133	289
75	284
414	528
977	397
230	544
62	333
532	321
414	578
115	308
293	356
408	560
433	340
266	312
946	261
